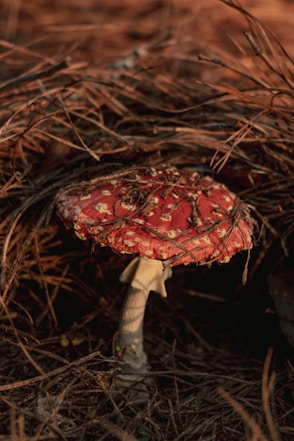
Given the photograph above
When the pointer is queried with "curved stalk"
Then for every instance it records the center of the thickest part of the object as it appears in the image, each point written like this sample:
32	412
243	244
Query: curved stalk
143	275
129	345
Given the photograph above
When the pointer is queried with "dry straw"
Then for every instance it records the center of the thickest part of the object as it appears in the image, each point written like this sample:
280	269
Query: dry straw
118	96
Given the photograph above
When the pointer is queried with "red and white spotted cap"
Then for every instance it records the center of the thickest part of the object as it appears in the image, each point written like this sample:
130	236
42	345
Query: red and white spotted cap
164	214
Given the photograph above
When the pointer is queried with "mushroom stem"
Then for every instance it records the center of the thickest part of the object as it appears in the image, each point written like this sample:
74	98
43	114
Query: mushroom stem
129	342
143	275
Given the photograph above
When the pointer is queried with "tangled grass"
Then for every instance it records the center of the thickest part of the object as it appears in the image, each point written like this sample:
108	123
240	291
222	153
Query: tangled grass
127	92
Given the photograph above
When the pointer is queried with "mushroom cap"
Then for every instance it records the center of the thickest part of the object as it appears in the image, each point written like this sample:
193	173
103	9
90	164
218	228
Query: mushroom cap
165	214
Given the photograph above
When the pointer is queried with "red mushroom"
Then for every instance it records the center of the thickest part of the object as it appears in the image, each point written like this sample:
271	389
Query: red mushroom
165	216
